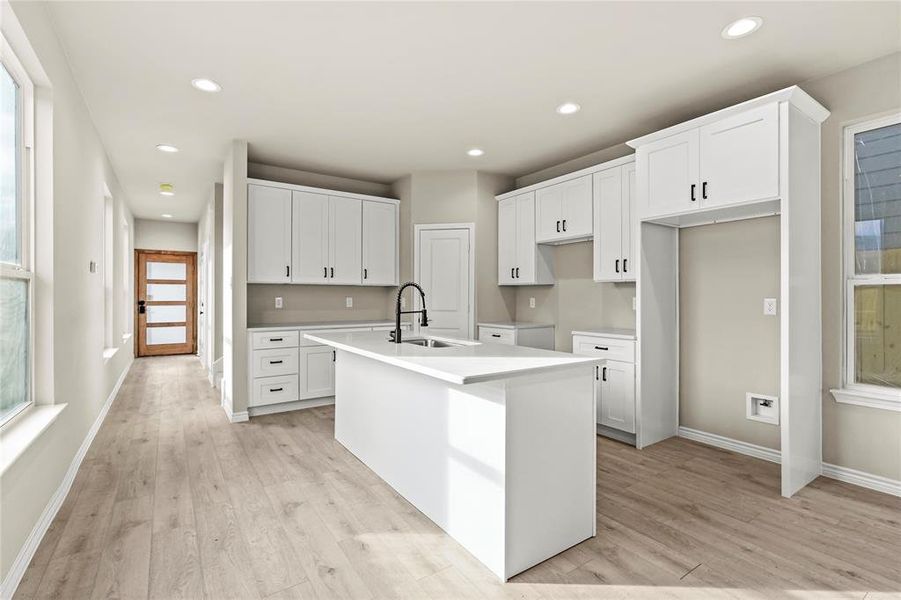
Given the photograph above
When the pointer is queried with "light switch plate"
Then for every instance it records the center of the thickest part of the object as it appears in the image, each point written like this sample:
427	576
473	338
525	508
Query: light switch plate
279	302
349	302
531	302
769	306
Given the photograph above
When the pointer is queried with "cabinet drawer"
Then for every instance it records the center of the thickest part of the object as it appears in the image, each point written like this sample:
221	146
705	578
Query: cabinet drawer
609	348
305	342
273	390
274	339
276	361
497	335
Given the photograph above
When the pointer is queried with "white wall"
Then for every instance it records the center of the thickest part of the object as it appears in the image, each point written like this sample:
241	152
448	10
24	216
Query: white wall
74	320
165	235
234	279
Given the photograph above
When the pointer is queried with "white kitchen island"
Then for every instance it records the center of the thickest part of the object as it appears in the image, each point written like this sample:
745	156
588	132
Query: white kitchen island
494	443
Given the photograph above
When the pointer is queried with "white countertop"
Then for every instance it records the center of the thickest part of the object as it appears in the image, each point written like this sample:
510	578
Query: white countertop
516	325
324	324
471	363
610	332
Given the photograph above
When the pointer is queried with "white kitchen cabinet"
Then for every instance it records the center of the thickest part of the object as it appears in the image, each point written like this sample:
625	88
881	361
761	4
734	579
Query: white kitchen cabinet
739	157
317	372
563	211
616	396
615	221
268	234
345	241
669	168
520	260
310	232
380	222
533	335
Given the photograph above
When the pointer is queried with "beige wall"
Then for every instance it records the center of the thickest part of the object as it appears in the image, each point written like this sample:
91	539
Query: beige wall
862	438
257	170
234	278
727	345
69	365
165	235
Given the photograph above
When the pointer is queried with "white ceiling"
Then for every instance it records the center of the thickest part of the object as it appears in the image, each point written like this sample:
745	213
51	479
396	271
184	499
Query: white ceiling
376	90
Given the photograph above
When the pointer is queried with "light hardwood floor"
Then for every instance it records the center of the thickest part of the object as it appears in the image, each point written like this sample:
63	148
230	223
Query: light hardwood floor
172	501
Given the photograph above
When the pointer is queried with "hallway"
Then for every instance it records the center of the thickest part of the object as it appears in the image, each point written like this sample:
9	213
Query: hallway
174	502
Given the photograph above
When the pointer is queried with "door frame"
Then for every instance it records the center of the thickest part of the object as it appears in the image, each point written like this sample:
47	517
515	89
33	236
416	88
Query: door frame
191	309
471	227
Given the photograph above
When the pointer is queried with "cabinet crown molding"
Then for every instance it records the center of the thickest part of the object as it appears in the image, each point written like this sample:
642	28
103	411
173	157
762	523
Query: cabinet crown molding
316	190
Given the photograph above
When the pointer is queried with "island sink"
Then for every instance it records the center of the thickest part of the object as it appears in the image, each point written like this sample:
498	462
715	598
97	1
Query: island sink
430	343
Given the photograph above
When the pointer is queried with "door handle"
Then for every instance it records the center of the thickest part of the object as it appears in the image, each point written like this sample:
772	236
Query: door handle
564	224
365	273
141	308
558	226
625	270
288	271
333	272
596	371
704	191
617	265
693	186
517	272
604	376
325	272
333	355
512	273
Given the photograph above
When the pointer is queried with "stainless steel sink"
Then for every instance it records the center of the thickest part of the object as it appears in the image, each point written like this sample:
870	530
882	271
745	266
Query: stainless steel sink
427	343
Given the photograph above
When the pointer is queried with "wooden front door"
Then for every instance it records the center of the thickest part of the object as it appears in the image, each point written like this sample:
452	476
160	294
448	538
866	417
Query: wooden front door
165	294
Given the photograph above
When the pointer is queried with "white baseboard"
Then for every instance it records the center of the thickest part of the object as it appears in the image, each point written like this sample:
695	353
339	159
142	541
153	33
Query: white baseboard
281	407
26	553
235	417
711	439
852	476
863	479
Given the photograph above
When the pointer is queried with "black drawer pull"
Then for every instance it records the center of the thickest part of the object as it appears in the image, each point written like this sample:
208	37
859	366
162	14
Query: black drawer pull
601	348
275	362
495	335
276	389
276	339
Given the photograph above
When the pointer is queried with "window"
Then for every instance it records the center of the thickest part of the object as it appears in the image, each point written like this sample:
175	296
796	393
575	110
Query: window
16	118
872	197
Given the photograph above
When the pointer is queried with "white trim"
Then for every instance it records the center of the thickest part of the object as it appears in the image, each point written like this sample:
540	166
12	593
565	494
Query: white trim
869	398
719	441
235	417
26	553
271	409
610	164
316	190
417	229
863	479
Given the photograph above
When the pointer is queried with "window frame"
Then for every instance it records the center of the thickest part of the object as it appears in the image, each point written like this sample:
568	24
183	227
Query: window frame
865	394
24	271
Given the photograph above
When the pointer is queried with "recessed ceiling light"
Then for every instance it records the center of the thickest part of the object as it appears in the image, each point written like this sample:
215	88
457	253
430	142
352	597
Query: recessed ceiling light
742	27
166	216
166	148
568	108
206	85
475	152
167	189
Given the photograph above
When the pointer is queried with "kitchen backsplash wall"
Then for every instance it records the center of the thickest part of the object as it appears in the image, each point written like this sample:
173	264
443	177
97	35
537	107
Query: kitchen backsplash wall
304	303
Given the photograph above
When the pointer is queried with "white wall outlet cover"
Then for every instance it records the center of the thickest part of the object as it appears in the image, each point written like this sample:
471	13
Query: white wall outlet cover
769	306
279	302
531	302
349	302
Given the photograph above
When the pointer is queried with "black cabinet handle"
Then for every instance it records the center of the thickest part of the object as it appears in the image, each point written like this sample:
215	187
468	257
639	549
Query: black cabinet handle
596	371
704	190
276	389
365	273
617	265
512	273
604	376
276	339
333	271
601	348
564	224
333	355
558	226
495	335
325	272
693	186
275	362
625	270
517	272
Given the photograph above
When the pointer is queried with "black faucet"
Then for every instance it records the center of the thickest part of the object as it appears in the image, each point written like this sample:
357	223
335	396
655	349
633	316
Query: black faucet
424	322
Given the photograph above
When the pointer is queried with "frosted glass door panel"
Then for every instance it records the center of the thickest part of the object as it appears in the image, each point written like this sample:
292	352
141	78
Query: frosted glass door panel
167	314
166	335
166	292
167	270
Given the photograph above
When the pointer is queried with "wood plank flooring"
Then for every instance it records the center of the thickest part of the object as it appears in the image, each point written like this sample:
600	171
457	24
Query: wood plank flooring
172	501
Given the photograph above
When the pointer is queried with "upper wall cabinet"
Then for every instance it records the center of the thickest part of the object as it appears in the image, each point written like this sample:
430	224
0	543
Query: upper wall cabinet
615	221
268	234
563	211
730	161
298	234
520	261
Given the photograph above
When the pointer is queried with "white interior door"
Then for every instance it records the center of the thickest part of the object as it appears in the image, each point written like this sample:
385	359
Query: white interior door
309	249
445	277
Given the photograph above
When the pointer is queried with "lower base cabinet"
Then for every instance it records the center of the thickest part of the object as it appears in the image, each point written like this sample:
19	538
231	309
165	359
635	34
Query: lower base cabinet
317	372
615	381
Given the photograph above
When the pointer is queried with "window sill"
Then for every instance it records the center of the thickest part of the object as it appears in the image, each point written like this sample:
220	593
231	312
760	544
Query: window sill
108	353
872	399
23	430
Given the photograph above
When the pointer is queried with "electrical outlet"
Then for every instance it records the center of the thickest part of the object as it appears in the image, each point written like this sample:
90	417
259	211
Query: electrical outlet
349	302
769	306
531	302
279	302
